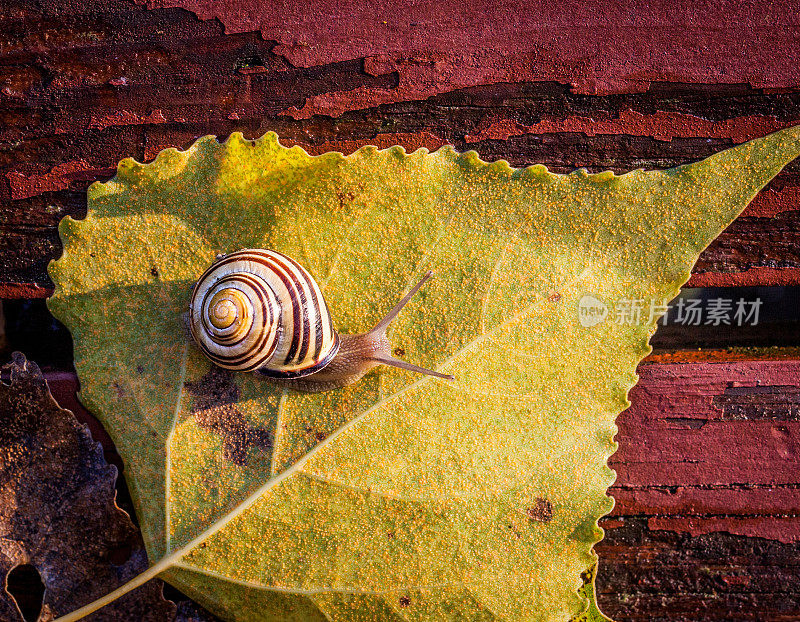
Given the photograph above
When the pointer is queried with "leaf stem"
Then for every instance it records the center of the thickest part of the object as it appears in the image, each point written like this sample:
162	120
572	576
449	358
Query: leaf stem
138	580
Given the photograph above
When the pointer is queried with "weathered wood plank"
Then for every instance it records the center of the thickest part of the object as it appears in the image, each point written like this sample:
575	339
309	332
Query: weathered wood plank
610	46
81	91
712	424
707	521
651	574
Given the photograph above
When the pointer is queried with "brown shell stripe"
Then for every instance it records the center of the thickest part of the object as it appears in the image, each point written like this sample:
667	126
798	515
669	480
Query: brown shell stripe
312	331
323	330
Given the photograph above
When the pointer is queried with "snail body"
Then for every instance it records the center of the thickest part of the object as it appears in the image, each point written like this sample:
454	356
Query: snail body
257	310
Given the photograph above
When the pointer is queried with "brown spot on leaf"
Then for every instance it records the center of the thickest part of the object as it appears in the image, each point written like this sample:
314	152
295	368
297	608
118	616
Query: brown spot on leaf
215	409
541	512
319	435
344	198
154	271
405	601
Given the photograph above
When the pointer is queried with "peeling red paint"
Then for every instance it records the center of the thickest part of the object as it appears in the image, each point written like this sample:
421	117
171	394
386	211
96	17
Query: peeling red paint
615	46
782	529
668	452
13	291
702	501
501	129
737	580
769	203
662	126
419	76
125	117
611	523
682	437
724	356
59	177
759	276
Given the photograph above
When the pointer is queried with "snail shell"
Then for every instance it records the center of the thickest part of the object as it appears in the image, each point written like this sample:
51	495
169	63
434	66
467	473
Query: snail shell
259	309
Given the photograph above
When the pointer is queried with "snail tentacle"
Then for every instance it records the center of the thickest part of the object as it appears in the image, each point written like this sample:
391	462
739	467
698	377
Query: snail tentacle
381	327
359	354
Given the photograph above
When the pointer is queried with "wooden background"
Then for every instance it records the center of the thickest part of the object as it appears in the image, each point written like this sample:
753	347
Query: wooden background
707	522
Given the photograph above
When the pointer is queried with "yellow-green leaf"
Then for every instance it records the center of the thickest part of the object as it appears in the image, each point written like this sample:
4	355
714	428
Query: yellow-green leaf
400	497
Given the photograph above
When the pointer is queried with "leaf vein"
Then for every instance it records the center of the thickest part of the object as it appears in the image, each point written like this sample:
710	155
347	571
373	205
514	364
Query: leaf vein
485	306
278	435
377	493
168	450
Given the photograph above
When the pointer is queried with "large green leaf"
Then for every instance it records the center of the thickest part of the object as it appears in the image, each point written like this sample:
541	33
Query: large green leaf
400	497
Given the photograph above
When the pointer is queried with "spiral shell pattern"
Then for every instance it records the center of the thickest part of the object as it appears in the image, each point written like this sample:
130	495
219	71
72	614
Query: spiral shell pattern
259	309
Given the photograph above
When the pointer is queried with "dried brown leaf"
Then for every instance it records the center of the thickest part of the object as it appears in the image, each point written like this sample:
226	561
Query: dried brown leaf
58	511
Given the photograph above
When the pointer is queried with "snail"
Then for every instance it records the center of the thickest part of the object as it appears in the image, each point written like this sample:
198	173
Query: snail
257	310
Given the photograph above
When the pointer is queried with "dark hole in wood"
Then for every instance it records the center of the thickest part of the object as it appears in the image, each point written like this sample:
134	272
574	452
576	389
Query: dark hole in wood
250	60
30	328
26	588
120	554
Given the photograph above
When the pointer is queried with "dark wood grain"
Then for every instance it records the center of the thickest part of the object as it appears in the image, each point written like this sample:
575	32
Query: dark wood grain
651	575
707	522
130	82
